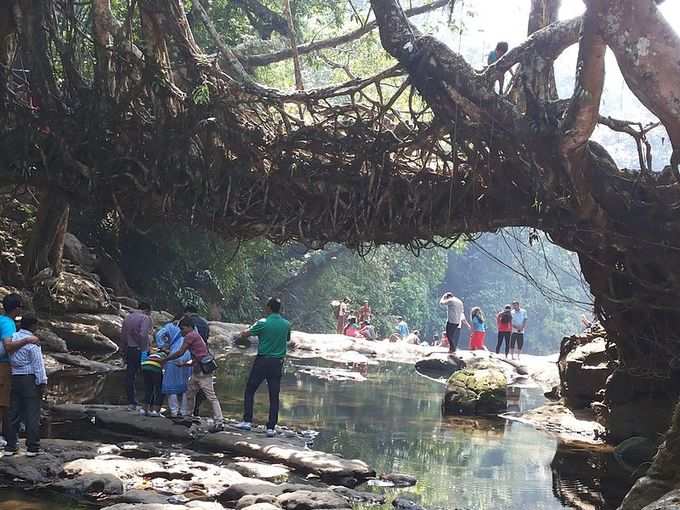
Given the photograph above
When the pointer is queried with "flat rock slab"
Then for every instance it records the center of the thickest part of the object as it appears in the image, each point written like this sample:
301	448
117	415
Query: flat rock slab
326	465
131	423
261	471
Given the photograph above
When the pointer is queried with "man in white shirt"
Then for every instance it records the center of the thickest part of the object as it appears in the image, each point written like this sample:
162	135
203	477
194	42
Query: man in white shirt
519	324
28	381
455	318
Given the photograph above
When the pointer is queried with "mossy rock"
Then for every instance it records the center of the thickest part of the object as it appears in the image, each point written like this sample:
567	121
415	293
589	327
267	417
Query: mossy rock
476	391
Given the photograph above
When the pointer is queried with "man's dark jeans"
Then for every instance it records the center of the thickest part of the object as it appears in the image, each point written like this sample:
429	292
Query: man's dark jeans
25	407
133	358
271	370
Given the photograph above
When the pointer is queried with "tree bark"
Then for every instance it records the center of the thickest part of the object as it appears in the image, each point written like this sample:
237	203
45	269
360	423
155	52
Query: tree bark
46	245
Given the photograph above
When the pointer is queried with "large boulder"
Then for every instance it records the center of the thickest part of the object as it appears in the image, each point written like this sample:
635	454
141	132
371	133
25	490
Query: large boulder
81	337
71	293
108	324
50	341
670	501
78	253
584	366
475	392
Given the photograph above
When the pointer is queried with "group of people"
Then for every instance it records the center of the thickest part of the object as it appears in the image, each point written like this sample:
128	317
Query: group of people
22	377
355	324
176	362
511	323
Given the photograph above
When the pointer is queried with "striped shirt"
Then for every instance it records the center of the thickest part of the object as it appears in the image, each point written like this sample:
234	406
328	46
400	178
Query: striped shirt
28	360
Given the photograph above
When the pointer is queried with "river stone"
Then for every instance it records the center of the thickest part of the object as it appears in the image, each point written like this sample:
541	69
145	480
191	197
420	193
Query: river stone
71	293
282	451
81	337
474	392
195	505
132	423
635	451
356	496
262	506
256	487
256	499
91	483
403	503
400	480
312	500
440	366
261	471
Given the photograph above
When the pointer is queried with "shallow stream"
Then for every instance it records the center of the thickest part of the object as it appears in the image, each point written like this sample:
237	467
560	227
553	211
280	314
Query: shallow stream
392	421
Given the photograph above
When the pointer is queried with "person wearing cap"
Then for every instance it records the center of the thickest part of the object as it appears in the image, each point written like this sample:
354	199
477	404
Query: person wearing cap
519	324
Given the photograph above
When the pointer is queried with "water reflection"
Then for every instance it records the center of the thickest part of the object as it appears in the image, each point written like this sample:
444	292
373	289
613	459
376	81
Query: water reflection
393	421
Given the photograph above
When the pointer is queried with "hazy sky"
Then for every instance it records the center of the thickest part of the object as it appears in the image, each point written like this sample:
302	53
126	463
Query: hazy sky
487	21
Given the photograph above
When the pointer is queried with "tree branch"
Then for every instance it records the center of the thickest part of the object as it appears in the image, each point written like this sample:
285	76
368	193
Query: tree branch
310	47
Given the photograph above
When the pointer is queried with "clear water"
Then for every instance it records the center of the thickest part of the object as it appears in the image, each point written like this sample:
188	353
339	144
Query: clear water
393	422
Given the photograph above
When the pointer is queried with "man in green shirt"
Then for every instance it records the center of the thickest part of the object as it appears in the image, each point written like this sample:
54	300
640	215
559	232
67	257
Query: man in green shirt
274	334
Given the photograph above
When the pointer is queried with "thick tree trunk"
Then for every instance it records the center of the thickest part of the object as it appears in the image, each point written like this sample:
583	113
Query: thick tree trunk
46	245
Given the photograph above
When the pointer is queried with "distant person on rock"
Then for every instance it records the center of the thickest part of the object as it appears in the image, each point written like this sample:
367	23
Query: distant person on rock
455	316
274	335
28	383
495	54
200	378
402	328
12	305
343	313
365	313
519	324
177	373
368	331
504	327
203	329
351	329
478	329
135	338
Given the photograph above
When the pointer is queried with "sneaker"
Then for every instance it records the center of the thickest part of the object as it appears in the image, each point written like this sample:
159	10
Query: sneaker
132	407
153	414
10	453
142	412
33	453
271	433
244	425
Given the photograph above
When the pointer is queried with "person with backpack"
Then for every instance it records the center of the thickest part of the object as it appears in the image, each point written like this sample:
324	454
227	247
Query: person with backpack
504	326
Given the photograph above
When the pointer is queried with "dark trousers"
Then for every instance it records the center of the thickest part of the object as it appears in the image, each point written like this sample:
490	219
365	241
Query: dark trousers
503	336
453	334
517	340
24	407
153	381
133	358
271	370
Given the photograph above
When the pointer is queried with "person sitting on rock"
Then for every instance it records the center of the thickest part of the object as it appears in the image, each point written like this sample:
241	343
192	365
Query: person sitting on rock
28	382
368	331
351	328
12	305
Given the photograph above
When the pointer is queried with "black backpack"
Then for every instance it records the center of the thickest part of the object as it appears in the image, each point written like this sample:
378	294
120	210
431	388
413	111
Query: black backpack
506	317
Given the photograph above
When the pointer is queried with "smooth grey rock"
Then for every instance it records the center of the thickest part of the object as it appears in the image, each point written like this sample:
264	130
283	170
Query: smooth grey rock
105	483
261	471
356	496
312	500
81	337
670	501
50	341
399	479
132	423
109	324
256	499
89	365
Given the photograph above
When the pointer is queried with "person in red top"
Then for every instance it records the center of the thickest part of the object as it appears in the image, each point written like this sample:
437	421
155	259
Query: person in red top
194	343
364	313
504	325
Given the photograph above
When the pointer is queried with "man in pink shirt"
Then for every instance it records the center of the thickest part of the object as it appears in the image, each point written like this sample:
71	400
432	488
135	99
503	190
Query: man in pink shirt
194	343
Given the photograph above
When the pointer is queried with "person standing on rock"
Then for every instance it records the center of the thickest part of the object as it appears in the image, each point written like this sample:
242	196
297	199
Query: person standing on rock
135	337
200	380
177	373
519	324
504	326
343	313
364	313
203	329
455	316
478	329
12	305
274	335
28	382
